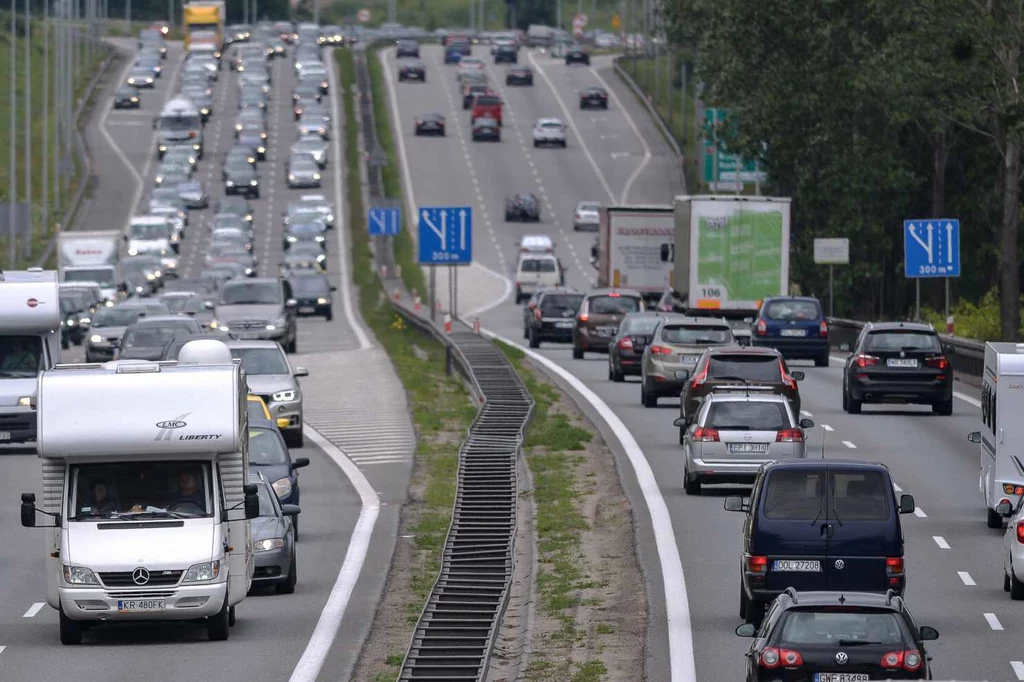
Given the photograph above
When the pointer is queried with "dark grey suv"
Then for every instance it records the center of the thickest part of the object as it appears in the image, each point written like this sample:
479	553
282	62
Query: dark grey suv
258	308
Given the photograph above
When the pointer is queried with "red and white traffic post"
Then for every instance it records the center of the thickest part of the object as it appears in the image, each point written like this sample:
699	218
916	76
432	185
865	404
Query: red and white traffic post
447	324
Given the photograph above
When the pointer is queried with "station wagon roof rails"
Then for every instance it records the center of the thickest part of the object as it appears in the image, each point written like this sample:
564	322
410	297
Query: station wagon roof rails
889	594
791	591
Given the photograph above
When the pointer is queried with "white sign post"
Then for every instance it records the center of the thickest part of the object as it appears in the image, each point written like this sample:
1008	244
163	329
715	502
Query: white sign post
831	252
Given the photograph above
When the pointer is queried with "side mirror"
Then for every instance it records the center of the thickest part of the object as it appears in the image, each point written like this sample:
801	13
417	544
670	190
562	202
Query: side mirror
682	374
301	372
28	510
949	349
1004	509
798	375
746	630
734	503
844	347
681	422
176	247
907	505
300	462
208	305
806	423
974	437
334	288
928	633
290	509
252	500
116	343
125	238
291	303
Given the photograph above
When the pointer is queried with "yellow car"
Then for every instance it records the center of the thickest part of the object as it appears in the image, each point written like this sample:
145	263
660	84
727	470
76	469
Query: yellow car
258	412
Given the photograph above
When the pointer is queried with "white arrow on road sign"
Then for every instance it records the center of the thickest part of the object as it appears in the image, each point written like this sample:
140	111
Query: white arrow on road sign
927	247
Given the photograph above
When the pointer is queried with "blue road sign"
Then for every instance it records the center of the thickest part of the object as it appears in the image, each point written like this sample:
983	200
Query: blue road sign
446	235
931	248
385	222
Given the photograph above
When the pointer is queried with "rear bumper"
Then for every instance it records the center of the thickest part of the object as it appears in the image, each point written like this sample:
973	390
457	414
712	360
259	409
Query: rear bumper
590	340
806	348
894	390
548	332
19	422
718	471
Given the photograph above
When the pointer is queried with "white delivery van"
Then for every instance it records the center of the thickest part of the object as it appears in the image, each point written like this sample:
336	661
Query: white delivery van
1001	477
535	271
91	256
150	508
153	235
30	321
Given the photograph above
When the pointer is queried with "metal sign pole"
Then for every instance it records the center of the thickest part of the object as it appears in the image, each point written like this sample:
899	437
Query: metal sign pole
433	293
455	292
451	291
831	310
947	300
917	299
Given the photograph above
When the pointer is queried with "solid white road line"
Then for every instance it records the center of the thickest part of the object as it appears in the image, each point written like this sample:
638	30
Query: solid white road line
826	427
967	399
677	605
312	660
116	147
849	445
339	211
636	131
919	513
897	488
993	622
2	649
1018	669
141	177
940	541
966	578
34	609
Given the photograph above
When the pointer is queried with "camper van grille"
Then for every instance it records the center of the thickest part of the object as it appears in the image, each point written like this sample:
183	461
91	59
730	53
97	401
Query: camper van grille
125	579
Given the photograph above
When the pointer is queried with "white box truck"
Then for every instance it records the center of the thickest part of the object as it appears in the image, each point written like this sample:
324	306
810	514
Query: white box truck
635	246
30	321
149	513
92	257
1001	471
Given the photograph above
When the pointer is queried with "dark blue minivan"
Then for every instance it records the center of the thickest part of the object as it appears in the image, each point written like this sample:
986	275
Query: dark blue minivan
795	325
820	524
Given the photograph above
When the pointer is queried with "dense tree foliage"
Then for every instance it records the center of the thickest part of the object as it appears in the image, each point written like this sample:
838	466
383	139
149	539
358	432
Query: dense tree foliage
872	112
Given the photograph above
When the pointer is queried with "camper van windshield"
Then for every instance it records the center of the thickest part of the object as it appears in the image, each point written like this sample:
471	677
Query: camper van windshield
150	230
20	356
102	276
178	123
145	490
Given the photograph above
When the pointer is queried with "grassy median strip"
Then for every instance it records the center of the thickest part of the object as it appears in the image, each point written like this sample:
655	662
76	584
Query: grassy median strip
442	412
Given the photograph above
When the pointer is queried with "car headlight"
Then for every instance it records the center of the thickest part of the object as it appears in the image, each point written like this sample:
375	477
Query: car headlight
25	401
292	239
79	575
282	487
217	324
229	183
135	99
238	128
95	338
271	327
322	301
162	147
316	176
86	320
263	136
133	251
150	276
321	258
139	290
203	572
285	396
72	323
320	238
205	111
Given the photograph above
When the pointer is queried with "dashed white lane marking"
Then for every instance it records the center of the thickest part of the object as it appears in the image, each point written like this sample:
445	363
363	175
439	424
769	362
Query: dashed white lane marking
897	488
966	578
1018	669
993	622
34	609
806	413
940	541
967	399
849	445
2	649
919	513
826	427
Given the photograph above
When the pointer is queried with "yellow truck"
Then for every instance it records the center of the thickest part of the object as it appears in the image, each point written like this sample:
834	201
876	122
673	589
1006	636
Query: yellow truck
204	21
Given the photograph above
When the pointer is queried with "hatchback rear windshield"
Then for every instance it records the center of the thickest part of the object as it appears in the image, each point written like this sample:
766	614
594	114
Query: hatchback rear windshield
794	495
859	495
703	335
894	341
750	367
792	310
614	305
487	101
561	302
537	265
640	325
748	416
843	626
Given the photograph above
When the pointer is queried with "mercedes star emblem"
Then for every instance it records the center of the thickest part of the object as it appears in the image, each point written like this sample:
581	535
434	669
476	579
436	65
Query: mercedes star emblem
140	576
840	564
747	436
903	354
842	658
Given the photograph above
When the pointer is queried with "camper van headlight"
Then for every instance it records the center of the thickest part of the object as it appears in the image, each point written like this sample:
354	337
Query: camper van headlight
282	487
133	251
284	396
25	401
79	575
268	545
203	572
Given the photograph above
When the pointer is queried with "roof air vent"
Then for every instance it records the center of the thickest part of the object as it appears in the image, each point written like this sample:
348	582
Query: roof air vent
205	352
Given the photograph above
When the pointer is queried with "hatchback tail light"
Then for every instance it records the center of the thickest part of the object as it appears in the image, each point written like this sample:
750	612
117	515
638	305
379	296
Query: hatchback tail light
661	350
787	380
626	343
705	435
823	329
583	317
789	436
700	378
906	660
866	360
772	657
762	328
1020	532
937	362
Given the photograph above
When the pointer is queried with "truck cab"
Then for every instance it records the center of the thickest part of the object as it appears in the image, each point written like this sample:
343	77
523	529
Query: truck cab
30	323
148	521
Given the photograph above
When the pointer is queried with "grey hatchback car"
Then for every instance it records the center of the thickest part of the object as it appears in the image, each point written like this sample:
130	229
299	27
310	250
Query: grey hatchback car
272	379
597	321
672	354
273	541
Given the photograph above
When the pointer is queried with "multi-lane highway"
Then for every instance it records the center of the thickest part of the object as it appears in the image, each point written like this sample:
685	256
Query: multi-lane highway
954	561
340	506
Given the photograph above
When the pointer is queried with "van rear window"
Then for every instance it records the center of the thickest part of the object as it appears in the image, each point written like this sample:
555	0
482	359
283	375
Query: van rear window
860	496
614	305
487	101
794	495
537	265
792	310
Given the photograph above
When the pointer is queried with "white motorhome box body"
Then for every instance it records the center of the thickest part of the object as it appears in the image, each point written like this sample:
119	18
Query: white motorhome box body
636	248
151	547
29	323
91	257
1002	430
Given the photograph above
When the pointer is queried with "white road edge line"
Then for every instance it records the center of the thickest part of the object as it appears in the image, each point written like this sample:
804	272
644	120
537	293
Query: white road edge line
171	85
34	609
636	131
993	622
116	147
1018	669
849	445
341	225
410	193
966	578
940	541
576	131
677	605
919	513
312	660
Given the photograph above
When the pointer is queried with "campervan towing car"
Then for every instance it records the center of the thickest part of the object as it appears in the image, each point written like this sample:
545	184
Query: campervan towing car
148	521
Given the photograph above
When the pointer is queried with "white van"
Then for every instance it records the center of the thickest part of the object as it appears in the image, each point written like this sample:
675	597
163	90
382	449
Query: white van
1001	437
536	271
150	511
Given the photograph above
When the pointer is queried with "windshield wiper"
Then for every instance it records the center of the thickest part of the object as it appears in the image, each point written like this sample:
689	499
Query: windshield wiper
817	515
857	642
157	514
836	516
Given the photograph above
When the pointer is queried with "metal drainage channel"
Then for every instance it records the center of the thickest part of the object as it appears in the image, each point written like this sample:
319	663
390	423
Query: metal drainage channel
456	631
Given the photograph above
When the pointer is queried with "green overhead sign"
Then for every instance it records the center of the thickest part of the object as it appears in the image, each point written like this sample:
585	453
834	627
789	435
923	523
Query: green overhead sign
722	169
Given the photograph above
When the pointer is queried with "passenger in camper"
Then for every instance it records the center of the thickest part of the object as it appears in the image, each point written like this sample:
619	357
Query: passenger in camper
19	355
99	502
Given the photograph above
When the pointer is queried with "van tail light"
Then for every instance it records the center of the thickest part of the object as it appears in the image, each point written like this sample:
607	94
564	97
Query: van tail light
823	329
907	660
762	328
705	435
938	362
661	350
866	360
700	378
894	565
1020	532
757	564
787	380
584	317
626	343
772	657
537	314
789	436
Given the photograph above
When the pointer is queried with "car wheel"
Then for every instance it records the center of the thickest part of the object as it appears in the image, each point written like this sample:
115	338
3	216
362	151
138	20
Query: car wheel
577	352
743	601
944	408
536	144
822	361
1006	581
294	438
563	144
1016	587
70	630
217	628
231	617
852	404
691	486
534	341
647	395
615	375
993	520
287	586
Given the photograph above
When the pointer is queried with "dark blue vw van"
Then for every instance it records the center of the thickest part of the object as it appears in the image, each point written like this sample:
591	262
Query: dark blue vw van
820	525
795	325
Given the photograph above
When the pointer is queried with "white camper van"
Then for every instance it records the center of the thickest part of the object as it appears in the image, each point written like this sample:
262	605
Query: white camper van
1002	444
30	321
149	517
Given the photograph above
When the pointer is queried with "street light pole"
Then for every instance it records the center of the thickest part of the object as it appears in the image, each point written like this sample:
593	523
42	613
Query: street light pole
12	160
316	11
47	121
28	122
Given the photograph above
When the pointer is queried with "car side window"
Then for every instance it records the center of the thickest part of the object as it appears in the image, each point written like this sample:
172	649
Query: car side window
287	289
769	621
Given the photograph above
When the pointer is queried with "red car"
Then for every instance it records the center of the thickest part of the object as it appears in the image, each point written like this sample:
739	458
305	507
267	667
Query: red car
486	106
